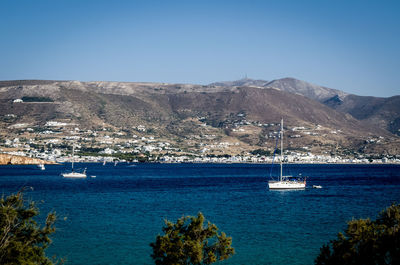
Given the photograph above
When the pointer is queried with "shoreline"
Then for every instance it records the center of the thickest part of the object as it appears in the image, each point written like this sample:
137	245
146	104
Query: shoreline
8	159
199	163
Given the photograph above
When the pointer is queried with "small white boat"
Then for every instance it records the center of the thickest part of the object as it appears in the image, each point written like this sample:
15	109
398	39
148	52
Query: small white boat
41	167
92	176
317	186
286	182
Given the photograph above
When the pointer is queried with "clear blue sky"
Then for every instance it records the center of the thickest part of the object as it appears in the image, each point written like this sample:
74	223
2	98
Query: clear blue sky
349	45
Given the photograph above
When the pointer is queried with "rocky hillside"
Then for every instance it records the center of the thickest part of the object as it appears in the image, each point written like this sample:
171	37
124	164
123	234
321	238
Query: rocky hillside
6	159
379	112
126	104
185	113
292	85
306	89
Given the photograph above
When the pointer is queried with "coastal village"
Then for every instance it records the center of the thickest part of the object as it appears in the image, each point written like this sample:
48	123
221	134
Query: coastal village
53	143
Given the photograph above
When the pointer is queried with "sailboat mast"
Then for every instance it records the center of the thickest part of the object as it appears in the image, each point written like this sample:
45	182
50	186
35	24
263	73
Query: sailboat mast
281	147
73	152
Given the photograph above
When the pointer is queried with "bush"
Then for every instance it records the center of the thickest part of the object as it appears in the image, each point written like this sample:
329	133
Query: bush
188	242
366	242
22	241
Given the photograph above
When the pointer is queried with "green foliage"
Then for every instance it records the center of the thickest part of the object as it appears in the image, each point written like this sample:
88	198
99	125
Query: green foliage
37	99
91	150
366	242
22	241
261	152
188	242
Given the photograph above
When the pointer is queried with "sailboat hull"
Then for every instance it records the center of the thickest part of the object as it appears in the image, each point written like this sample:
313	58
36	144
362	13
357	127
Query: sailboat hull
74	175
286	185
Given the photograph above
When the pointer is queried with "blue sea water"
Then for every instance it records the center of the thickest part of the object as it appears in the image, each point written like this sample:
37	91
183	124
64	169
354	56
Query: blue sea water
112	219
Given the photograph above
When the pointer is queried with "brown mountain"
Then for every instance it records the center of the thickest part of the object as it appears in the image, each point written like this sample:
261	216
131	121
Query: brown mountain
380	112
184	112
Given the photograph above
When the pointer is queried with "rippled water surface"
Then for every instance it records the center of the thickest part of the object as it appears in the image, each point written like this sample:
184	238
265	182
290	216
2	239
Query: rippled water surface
112	219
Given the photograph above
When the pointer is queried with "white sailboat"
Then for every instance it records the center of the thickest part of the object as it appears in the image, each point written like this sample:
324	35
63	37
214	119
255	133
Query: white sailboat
74	174
286	182
41	167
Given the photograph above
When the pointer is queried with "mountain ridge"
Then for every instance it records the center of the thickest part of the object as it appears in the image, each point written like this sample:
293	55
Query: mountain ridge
184	111
382	112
